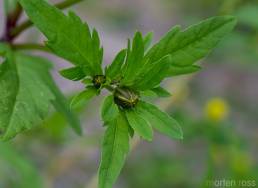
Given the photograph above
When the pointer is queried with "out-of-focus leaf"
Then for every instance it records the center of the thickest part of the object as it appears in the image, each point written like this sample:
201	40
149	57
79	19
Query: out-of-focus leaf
42	67
28	176
246	15
24	96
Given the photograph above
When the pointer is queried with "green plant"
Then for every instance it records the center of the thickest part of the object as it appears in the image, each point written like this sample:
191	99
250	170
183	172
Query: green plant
27	88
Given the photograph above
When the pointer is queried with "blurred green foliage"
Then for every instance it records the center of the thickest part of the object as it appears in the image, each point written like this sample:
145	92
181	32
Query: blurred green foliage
17	171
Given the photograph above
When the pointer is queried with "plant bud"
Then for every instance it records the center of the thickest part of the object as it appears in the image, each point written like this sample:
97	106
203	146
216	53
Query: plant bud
98	80
125	97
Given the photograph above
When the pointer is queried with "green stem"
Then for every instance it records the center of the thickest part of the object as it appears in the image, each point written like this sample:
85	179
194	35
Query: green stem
30	46
26	24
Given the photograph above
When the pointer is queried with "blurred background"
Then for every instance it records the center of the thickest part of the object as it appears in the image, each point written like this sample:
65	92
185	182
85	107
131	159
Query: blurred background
217	107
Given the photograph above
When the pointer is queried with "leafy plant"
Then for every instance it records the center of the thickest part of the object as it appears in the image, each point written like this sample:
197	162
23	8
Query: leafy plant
27	89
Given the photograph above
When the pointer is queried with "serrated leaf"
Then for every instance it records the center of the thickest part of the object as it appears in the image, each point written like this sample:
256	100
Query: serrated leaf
84	96
109	110
42	67
114	70
177	51
139	125
74	73
24	97
160	120
68	36
186	47
60	103
114	150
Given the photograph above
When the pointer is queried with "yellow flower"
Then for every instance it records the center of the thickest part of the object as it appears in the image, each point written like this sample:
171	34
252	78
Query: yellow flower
241	162
216	109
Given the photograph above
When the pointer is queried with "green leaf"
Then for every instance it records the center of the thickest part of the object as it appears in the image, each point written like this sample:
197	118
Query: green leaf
134	60
178	70
68	36
148	94
84	96
24	97
61	104
109	109
151	76
4	50
160	120
131	131
147	40
114	150
139	125
87	81
74	73
160	92
114	70
162	48
186	47
26	175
